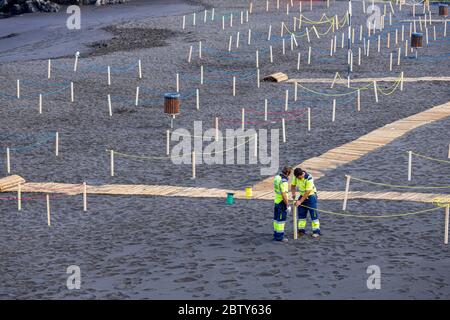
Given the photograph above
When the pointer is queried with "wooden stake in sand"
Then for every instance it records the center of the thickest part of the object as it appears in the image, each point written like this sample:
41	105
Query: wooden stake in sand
57	144
84	197
409	165
49	71
379	43
184	23
112	163
18	89
167	142
48	210
359	56
309	119
139	69
230	42
449	151
193	18
8	161
19	197
243	119
298	61
109	105
269	34
284	47
257	59
237	39
109	75
283	125
249	41
347	188
401	81
200	49
190	54
72	96
178	82
399	54
223	22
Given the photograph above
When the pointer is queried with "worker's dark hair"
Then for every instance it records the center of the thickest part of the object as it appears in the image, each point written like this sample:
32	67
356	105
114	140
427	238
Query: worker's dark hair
287	170
298	172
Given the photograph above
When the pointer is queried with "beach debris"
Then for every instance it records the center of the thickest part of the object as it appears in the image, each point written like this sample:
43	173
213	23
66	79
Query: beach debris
10	182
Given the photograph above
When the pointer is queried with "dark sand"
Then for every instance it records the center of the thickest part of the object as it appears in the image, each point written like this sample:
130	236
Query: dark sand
192	248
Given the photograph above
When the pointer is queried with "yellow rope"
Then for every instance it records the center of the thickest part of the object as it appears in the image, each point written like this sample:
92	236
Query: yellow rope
368	216
429	158
399	186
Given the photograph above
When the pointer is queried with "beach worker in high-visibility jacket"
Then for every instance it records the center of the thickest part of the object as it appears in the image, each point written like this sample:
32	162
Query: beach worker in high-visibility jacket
303	182
280	211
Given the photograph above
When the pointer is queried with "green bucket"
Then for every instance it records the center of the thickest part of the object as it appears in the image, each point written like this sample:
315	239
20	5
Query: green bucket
230	198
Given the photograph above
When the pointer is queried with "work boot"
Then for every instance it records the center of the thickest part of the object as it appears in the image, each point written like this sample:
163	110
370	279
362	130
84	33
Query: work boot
300	234
285	240
315	235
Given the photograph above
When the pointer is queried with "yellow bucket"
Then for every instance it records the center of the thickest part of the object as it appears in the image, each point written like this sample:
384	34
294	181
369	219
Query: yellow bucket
248	192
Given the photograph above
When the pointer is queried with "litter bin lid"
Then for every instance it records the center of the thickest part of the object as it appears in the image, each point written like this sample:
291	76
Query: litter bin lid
172	95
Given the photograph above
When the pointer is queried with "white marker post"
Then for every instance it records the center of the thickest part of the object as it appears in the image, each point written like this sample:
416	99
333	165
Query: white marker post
446	224
49	71
190	54
284	130
167	142
18	89
178	82
358	107
286	101
409	165
333	117
243	119
19	197
139	69
257	78
197	93
77	54
193	165
8	161
265	119
57	144
112	163
271	54
184	23
72	96
309	55
347	188
375	90
298	61
309	119
217	128
40	103
234	86
136	103
109	75
201	75
200	49
48	210
84	197
109	105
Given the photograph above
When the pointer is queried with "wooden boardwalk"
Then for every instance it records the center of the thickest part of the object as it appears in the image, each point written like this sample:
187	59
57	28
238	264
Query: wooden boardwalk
358	148
189	192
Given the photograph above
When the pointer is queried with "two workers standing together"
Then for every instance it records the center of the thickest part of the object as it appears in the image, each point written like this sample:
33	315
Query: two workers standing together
302	182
